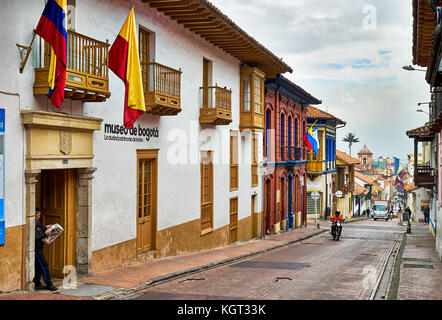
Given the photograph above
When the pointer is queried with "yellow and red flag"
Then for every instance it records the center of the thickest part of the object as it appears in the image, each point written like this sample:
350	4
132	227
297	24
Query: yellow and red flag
124	61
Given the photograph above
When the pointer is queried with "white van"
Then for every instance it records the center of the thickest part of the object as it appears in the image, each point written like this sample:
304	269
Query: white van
380	210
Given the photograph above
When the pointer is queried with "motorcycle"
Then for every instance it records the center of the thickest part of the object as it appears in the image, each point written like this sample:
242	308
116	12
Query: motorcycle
336	230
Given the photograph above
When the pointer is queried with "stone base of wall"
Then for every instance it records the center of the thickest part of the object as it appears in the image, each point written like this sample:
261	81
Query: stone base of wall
12	255
179	239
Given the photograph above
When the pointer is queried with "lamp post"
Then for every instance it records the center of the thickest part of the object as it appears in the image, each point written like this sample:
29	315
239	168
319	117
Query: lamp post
411	68
420	110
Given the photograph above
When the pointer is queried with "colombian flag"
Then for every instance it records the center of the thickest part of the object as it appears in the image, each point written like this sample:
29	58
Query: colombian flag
311	139
400	175
52	28
125	63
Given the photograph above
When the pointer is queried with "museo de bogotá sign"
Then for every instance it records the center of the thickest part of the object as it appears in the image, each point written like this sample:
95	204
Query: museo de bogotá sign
116	132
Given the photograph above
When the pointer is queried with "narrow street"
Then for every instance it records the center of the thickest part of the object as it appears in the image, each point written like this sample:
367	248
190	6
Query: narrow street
314	269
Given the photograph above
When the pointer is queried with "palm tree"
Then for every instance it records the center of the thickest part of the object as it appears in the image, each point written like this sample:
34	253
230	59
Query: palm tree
350	138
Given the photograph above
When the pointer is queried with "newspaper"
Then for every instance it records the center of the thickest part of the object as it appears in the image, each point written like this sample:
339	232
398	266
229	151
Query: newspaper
56	230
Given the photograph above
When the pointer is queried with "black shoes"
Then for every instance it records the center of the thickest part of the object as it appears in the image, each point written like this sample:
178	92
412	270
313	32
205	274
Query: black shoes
39	287
51	287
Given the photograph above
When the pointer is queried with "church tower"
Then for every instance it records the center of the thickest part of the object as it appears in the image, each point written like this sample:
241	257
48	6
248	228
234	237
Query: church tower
365	159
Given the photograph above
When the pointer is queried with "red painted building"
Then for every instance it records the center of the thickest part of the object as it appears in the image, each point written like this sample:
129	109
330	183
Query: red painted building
285	182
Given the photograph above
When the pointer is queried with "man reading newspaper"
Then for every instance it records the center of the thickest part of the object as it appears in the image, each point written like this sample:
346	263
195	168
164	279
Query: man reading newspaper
41	265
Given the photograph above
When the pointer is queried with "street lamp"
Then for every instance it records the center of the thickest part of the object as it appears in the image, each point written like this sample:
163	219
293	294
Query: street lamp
411	68
420	110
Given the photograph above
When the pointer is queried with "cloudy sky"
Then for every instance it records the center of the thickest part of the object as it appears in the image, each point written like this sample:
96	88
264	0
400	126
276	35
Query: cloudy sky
349	54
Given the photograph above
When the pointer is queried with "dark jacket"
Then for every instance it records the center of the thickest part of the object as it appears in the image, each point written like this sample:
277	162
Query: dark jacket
427	211
39	236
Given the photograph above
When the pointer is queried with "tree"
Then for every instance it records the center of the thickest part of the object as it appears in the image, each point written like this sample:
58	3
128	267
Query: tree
350	138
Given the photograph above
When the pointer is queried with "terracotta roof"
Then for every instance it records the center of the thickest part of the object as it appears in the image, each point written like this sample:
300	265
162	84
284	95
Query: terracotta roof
206	20
345	158
365	150
420	132
360	190
423	27
315	113
364	178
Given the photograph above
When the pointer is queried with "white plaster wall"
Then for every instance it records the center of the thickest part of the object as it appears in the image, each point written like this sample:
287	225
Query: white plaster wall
114	184
114	208
15	95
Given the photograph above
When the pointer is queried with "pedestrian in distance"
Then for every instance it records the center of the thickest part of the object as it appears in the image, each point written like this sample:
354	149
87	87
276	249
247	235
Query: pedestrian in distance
427	214
368	212
41	265
408	211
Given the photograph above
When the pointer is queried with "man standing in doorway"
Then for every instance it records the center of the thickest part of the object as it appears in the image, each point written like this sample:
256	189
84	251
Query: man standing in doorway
41	265
427	214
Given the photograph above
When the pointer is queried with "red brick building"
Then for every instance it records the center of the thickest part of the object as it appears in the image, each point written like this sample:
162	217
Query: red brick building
284	154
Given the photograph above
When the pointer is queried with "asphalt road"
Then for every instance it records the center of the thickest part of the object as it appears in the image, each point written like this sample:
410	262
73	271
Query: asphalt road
314	269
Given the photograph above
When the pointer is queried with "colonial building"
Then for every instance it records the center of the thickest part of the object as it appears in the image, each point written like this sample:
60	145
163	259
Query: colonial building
424	172
427	25
185	177
345	182
361	197
286	160
321	167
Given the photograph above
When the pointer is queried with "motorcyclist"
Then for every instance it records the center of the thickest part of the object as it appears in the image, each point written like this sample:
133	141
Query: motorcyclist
335	218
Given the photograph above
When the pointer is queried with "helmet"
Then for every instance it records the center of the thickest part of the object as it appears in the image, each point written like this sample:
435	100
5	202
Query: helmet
337	212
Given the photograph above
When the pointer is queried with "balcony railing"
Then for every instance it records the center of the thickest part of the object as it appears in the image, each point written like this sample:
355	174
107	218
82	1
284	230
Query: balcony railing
291	154
215	105
424	176
435	109
87	72
315	166
162	89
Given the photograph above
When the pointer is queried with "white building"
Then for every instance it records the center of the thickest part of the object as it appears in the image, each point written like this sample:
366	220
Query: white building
125	195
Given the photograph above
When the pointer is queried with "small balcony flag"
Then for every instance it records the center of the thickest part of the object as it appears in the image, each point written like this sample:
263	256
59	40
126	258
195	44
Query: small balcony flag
124	61
52	28
311	139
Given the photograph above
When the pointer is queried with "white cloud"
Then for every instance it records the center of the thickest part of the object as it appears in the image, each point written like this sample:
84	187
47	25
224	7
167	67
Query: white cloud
356	72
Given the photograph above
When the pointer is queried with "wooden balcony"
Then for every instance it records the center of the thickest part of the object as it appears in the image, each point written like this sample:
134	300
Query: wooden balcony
252	99
87	72
290	154
162	89
435	109
424	176
315	167
216	105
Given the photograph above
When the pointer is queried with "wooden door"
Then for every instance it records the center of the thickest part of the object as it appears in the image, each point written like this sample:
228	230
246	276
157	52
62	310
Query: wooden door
59	206
267	208
233	220
281	202
254	217
147	201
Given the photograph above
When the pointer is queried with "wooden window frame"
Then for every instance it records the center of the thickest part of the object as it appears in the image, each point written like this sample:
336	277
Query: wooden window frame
208	154
231	213
254	162
234	150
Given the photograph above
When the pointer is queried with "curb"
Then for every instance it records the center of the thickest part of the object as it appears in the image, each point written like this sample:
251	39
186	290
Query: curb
143	285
